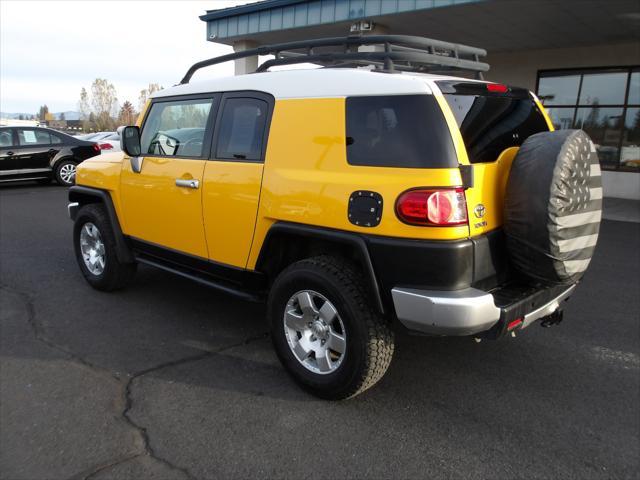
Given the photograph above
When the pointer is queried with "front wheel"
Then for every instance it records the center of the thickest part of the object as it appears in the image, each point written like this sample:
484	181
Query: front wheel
95	248
65	173
325	329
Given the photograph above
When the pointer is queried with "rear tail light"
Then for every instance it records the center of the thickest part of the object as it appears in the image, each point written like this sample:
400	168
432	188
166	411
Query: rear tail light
433	207
105	146
96	147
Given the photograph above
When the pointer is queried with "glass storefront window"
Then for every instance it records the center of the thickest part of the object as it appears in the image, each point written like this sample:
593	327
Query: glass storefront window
634	89
597	102
561	117
603	126
559	90
630	151
603	89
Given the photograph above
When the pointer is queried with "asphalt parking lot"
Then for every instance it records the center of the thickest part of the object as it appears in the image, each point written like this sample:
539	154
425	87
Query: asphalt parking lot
169	379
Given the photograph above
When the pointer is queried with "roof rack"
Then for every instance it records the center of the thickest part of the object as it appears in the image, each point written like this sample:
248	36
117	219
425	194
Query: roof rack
393	53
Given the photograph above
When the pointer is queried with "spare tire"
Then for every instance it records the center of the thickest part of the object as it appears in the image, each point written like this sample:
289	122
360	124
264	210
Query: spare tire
553	206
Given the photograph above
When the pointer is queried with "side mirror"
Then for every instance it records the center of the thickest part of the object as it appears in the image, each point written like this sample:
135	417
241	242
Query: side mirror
130	141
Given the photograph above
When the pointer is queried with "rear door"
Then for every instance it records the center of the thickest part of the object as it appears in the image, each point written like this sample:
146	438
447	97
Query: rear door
233	176
162	203
493	121
34	150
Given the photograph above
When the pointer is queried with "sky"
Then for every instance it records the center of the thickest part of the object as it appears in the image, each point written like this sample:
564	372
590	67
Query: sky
49	50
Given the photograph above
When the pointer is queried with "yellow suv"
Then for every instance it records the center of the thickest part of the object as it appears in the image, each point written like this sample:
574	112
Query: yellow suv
355	200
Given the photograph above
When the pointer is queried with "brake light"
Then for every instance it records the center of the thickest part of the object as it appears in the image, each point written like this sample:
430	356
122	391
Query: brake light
446	207
497	88
105	146
96	147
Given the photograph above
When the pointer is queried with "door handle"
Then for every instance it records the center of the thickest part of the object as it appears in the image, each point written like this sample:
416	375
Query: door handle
187	183
9	154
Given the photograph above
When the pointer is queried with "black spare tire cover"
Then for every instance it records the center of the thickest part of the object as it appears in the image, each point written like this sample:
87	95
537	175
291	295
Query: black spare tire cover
553	207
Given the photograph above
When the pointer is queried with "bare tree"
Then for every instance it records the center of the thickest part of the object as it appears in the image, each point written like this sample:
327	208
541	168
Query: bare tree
104	103
97	110
146	93
83	104
85	110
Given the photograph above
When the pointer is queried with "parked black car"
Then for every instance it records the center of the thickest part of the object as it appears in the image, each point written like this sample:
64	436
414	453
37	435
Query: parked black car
33	153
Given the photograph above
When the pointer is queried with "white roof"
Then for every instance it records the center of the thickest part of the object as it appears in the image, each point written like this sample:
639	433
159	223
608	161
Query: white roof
313	83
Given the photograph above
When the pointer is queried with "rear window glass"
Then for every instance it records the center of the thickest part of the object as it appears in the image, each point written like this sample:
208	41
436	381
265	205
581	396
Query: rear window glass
490	123
398	131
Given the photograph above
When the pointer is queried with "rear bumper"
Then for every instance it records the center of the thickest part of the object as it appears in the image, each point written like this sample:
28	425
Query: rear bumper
471	311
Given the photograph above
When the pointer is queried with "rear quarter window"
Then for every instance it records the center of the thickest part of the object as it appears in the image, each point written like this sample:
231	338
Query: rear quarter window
406	131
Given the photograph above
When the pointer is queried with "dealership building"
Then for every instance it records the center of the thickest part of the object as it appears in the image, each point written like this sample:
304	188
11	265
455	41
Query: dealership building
582	57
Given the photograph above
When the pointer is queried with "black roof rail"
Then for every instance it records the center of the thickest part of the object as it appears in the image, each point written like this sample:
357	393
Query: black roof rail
394	52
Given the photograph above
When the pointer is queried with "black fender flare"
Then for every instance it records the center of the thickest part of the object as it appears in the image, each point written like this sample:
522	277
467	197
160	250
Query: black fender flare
352	240
85	195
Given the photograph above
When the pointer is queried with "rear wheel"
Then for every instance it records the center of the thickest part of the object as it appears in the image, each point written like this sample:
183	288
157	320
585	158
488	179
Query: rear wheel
326	329
95	249
65	173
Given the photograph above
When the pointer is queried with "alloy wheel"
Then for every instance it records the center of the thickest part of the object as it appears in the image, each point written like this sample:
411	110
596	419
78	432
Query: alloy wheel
315	332
68	173
92	248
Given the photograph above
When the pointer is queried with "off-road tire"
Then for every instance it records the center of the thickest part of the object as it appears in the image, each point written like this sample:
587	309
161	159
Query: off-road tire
116	274
553	207
369	338
57	172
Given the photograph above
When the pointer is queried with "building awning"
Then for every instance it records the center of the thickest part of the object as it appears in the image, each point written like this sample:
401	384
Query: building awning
496	25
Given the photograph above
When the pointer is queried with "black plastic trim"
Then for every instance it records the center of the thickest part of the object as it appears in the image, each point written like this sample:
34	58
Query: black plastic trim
79	194
177	270
479	88
517	300
227	276
345	238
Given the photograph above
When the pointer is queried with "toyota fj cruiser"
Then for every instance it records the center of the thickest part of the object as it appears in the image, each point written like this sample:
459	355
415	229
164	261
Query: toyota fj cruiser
354	200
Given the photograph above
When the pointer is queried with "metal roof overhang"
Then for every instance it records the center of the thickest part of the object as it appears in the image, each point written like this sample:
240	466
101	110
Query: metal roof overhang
496	25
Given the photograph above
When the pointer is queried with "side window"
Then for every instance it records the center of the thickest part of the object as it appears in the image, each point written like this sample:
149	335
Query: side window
6	138
28	137
241	130
176	128
407	131
56	140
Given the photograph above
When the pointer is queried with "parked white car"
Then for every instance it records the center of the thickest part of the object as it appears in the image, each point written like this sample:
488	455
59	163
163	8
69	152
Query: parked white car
94	137
110	143
107	141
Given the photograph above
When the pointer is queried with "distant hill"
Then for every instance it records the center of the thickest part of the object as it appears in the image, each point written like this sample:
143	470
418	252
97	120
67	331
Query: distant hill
68	115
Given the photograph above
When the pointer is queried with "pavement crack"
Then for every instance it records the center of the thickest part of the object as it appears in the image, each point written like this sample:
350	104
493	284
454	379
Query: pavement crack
129	397
40	336
91	473
126	385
